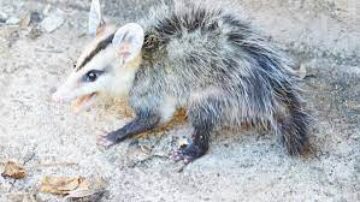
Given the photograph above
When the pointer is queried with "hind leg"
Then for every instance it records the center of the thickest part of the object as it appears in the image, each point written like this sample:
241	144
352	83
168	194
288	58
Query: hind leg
203	119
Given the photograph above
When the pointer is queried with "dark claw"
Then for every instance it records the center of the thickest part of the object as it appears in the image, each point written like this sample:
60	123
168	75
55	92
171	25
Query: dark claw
177	155
188	154
108	140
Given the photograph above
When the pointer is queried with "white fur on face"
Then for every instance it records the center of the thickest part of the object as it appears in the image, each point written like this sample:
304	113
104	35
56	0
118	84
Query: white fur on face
116	80
118	61
123	77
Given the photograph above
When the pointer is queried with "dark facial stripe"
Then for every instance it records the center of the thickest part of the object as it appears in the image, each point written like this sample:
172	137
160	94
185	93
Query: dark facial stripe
100	46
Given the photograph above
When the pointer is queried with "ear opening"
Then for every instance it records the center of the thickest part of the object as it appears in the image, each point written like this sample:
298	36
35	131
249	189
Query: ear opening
128	41
96	21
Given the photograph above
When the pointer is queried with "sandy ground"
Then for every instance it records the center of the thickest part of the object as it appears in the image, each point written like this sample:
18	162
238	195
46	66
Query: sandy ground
243	166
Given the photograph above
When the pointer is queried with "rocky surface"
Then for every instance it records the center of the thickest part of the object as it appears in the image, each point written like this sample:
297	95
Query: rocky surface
241	166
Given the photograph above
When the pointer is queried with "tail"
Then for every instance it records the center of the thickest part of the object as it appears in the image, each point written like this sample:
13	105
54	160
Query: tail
294	127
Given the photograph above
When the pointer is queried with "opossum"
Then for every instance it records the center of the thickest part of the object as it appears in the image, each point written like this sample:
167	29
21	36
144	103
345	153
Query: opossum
209	61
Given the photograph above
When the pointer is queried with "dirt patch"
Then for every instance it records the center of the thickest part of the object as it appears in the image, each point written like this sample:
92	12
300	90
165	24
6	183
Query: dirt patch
49	140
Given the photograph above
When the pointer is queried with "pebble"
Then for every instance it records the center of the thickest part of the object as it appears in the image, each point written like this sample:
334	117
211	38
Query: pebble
53	21
34	33
3	17
31	18
13	21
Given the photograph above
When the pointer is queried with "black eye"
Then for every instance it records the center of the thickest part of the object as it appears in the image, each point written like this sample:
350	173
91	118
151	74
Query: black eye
92	75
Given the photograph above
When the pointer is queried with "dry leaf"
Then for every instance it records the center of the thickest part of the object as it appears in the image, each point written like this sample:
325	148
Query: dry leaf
88	191
62	185
95	195
80	193
13	170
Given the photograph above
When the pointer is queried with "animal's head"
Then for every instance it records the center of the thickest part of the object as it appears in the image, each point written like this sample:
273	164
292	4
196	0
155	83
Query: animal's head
107	65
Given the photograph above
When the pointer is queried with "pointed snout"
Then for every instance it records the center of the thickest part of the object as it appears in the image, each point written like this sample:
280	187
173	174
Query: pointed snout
56	97
59	96
64	93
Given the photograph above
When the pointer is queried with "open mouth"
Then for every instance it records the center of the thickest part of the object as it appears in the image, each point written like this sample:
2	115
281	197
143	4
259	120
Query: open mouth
83	102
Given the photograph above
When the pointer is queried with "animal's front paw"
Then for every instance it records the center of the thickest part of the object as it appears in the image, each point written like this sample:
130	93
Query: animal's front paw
108	140
188	154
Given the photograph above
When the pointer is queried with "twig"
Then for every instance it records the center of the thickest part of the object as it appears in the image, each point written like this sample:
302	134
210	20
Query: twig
48	50
55	164
181	169
12	183
150	158
29	159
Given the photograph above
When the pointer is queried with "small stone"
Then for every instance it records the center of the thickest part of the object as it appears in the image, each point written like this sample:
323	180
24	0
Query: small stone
47	9
31	18
3	17
53	21
35	17
13	21
34	33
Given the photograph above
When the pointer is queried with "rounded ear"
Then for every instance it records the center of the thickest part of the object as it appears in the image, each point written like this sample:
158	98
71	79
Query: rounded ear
95	18
128	41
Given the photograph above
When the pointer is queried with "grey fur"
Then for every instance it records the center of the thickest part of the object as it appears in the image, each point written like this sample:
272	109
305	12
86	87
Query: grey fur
222	71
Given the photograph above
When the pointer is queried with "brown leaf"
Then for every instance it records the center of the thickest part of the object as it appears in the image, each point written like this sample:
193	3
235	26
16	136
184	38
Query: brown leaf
74	188
90	195
62	185
88	191
13	170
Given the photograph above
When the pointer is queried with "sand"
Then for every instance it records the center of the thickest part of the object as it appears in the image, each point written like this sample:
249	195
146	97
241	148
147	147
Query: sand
323	36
